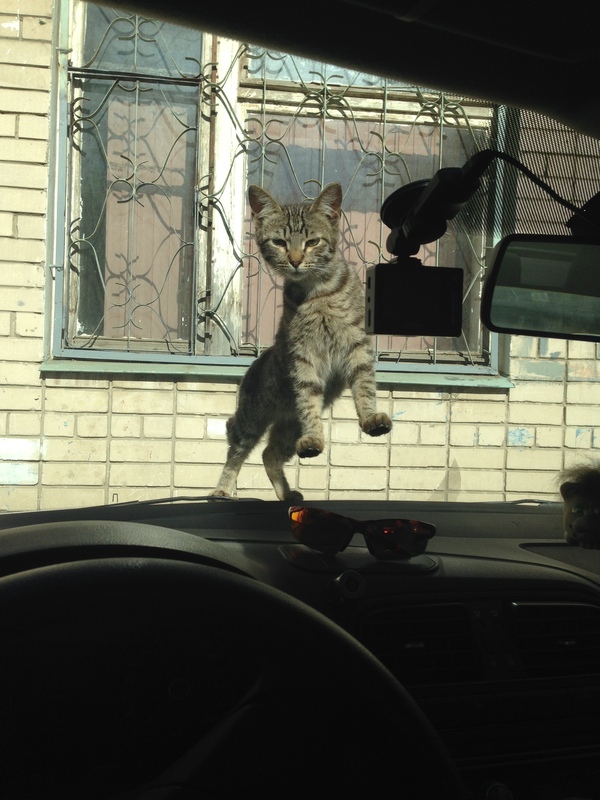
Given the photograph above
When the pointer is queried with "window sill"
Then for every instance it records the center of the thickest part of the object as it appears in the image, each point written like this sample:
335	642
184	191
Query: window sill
216	371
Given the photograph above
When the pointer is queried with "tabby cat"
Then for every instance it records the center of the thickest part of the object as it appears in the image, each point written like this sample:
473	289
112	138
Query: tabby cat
320	348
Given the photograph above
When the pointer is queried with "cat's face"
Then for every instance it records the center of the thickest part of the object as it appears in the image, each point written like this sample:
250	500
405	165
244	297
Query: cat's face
297	241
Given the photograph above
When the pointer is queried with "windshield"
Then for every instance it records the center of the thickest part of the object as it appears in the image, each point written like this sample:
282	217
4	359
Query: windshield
135	295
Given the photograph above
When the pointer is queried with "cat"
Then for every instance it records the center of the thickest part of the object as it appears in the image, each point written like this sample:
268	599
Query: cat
320	347
580	491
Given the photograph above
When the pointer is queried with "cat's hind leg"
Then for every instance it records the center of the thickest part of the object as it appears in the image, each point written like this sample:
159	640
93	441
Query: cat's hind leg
241	443
280	448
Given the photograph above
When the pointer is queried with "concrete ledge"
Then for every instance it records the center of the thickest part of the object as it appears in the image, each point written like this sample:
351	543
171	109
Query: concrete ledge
234	372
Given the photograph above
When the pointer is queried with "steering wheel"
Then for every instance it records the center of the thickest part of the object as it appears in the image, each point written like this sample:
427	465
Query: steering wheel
151	676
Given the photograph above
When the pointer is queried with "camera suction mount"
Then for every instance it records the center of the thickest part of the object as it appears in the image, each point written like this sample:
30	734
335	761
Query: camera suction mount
418	213
395	210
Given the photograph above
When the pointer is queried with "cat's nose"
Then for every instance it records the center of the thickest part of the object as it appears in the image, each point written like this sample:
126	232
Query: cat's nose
295	262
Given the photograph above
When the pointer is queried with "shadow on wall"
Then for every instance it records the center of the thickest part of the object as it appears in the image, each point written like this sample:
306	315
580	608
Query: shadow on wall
449	486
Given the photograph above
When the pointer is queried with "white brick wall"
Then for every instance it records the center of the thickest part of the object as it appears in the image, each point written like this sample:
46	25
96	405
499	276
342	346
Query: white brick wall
80	440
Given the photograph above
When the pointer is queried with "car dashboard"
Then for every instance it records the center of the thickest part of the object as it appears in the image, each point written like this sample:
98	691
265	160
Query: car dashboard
494	630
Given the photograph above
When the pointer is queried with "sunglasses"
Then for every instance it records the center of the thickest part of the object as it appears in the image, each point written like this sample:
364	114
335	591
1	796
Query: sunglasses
386	538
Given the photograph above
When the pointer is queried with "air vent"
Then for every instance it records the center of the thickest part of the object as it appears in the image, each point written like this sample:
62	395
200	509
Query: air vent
556	639
424	645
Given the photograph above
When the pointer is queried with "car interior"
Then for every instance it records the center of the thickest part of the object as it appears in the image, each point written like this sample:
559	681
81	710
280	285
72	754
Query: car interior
216	648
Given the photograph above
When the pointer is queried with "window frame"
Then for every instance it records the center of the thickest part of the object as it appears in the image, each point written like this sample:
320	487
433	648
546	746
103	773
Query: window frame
59	358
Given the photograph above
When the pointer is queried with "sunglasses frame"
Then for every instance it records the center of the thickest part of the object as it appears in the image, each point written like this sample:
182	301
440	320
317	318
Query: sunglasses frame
414	534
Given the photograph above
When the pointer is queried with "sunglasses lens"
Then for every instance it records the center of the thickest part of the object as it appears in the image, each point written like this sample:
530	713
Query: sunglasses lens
321	530
399	538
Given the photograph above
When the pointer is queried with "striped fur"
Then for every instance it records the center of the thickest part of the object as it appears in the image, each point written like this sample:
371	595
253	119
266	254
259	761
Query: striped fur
320	347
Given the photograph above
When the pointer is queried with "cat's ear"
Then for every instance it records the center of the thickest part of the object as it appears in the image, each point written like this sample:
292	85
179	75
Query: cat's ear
329	202
568	489
261	201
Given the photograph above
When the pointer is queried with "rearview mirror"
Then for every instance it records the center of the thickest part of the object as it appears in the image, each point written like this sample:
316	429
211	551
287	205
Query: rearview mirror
544	286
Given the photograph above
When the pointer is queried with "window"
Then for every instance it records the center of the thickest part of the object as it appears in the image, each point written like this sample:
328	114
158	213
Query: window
166	129
134	90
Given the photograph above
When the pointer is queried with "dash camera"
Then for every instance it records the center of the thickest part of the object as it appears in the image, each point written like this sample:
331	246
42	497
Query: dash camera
412	300
403	297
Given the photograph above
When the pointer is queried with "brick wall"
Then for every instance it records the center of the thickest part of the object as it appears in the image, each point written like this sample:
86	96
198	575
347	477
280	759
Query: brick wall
80	440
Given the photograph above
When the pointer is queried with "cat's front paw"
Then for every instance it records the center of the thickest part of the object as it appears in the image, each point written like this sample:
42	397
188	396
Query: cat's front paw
376	424
309	446
219	493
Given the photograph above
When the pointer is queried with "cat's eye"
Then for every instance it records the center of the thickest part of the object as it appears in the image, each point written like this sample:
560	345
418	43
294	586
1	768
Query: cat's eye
312	242
280	242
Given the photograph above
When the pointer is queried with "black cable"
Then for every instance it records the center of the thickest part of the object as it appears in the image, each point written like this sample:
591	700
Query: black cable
538	181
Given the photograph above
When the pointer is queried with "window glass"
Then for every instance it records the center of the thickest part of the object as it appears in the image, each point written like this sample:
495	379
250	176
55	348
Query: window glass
130	43
134	145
